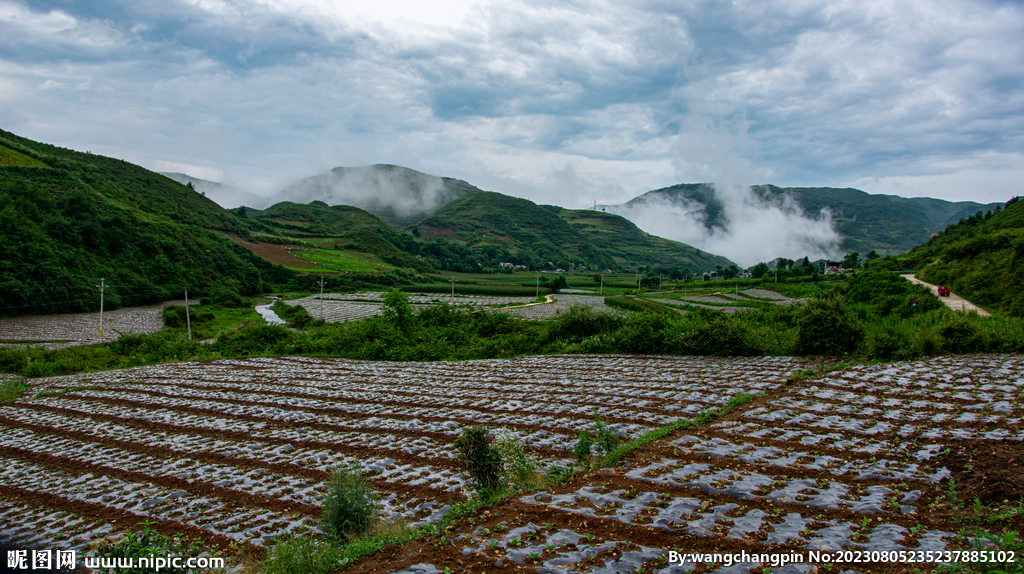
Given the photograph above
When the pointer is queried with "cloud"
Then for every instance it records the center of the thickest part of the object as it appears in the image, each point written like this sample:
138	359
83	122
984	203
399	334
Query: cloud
508	95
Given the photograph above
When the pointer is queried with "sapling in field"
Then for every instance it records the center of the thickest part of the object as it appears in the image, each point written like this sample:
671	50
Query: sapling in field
350	506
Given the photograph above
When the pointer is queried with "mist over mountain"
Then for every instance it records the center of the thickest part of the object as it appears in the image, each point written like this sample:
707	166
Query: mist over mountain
223	195
398	195
760	223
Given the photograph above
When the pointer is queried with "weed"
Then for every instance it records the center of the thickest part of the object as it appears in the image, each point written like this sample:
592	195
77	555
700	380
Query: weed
519	471
303	555
148	543
350	506
11	387
584	443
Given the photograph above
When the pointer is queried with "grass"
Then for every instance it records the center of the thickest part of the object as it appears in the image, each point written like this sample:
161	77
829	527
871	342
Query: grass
343	260
991	529
11	386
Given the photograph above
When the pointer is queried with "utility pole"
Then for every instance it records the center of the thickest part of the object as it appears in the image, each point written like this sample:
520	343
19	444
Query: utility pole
602	283
537	296
321	297
188	321
101	286
453	289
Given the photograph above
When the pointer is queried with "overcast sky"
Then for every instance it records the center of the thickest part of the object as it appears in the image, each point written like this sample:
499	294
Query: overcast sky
560	102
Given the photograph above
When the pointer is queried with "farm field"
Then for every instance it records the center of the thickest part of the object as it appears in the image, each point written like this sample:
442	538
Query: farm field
342	307
237	452
726	301
74	329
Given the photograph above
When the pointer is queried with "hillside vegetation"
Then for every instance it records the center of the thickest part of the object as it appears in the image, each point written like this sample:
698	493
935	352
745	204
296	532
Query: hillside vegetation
69	219
519	231
886	224
628	245
981	258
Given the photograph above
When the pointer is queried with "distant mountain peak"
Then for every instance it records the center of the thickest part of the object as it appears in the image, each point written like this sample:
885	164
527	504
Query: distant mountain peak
398	195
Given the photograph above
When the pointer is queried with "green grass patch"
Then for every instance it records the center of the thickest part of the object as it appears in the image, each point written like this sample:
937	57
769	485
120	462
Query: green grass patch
344	260
638	305
10	387
10	157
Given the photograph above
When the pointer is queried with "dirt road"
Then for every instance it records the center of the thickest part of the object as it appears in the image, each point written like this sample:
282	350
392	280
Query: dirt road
954	301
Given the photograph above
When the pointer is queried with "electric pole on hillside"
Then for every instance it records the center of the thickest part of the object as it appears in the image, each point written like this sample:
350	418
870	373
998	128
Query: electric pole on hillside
188	321
602	283
100	287
538	285
453	289
321	297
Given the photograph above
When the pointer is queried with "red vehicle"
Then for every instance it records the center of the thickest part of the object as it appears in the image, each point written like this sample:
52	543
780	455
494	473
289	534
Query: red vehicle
943	291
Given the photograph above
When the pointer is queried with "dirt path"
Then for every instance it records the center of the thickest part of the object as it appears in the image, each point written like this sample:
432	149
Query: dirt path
954	301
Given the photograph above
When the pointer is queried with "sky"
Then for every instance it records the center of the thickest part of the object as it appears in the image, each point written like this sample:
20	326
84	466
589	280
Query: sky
568	103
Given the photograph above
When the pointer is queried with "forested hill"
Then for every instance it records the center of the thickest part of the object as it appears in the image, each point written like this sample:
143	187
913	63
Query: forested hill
520	231
981	258
68	219
887	224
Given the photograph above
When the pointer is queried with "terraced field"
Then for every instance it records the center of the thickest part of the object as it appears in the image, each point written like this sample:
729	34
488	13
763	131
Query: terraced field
237	451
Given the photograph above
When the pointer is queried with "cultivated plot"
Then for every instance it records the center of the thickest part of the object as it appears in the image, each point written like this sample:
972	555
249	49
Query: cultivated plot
238	451
75	329
849	461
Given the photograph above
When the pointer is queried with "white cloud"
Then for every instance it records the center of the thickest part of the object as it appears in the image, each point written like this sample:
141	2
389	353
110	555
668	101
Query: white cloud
560	102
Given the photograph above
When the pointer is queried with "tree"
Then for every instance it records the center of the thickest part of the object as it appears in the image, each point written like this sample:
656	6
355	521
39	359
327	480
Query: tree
759	270
397	310
851	261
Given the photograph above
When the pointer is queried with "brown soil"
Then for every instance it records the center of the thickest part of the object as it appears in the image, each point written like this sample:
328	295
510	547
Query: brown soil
278	254
991	471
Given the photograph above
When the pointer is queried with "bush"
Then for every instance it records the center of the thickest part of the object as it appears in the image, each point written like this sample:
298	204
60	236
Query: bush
829	326
174	316
584	443
959	334
581	321
350	507
722	336
482	461
519	471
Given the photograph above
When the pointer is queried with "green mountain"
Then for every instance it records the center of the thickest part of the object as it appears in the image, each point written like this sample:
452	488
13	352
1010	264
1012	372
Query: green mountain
315	220
628	245
980	258
69	219
887	224
398	195
522	232
338	227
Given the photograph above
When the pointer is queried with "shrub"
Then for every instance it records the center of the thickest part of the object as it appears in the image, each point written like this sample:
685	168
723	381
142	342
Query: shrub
722	336
350	506
519	471
960	335
584	443
581	321
829	326
396	310
174	316
481	460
